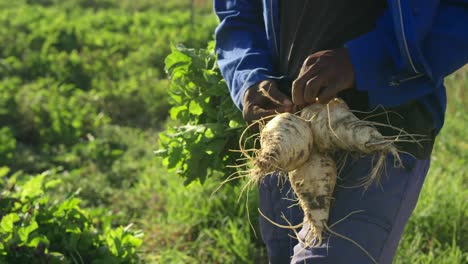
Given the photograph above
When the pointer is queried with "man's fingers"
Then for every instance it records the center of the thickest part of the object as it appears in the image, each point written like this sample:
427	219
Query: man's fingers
297	93
327	94
311	60
271	90
297	90
318	71
299	85
314	85
312	89
263	100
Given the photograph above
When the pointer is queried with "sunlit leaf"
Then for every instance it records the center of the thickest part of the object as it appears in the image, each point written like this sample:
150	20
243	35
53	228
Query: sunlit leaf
8	222
24	232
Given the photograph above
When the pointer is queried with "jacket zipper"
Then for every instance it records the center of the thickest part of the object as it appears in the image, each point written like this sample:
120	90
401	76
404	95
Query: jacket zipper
408	55
273	27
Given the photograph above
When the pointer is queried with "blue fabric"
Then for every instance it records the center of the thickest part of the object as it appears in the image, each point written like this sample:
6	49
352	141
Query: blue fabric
406	57
378	228
277	198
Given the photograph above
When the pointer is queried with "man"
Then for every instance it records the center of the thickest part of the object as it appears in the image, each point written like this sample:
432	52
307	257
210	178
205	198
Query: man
277	55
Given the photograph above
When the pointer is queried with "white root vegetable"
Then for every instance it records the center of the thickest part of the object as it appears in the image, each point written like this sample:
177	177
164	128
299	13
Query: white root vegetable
302	146
286	142
313	183
335	127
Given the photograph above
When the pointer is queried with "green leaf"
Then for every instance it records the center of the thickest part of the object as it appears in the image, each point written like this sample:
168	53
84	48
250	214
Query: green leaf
57	257
24	232
234	124
52	184
38	239
195	108
175	111
176	59
73	230
209	133
4	171
33	187
8	222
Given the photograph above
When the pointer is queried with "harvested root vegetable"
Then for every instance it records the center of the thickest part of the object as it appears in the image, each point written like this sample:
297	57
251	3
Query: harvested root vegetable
302	146
286	142
335	127
313	183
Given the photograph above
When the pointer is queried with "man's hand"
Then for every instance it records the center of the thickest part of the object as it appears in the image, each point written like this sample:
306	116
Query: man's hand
323	75
264	99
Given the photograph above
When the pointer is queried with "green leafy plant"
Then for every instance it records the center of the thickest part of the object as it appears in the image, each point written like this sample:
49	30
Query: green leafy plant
56	114
36	229
210	122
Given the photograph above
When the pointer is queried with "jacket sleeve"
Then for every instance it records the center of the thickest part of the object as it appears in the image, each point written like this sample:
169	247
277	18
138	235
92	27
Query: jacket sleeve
377	59
241	45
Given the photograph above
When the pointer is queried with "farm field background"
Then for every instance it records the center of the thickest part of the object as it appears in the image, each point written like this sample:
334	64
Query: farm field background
83	96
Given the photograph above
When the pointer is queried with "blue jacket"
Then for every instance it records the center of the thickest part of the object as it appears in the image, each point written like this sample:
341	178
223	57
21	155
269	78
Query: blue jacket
406	57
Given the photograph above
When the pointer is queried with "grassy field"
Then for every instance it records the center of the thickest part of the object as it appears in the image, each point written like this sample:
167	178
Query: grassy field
83	97
437	230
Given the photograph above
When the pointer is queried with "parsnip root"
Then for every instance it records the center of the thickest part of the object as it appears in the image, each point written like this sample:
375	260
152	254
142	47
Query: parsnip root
303	146
286	142
313	184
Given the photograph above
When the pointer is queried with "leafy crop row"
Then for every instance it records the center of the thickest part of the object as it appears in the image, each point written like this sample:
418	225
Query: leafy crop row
35	229
115	56
82	94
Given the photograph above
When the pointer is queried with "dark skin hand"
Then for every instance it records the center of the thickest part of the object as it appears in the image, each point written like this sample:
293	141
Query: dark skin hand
263	100
323	75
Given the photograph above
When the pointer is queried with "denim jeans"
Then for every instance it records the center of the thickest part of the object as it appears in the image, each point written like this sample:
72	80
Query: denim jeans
383	211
